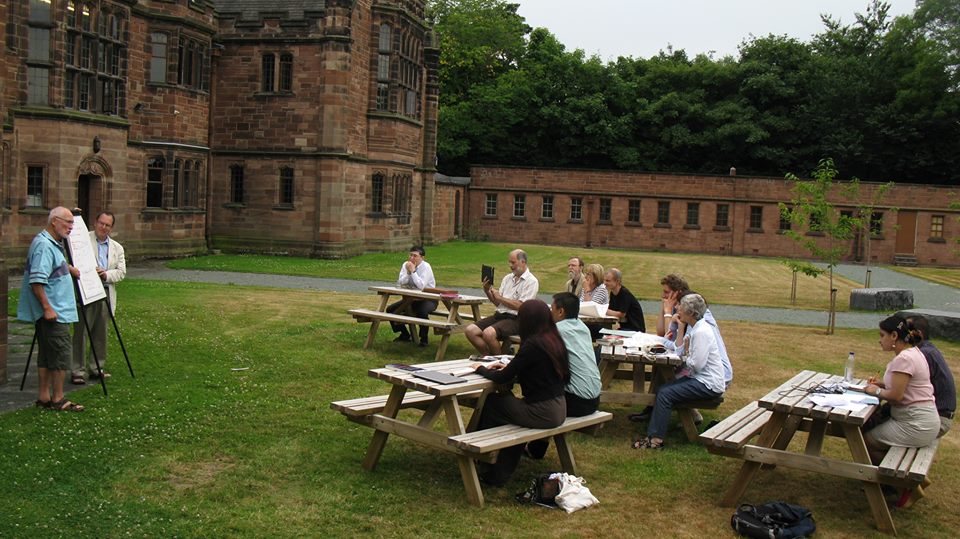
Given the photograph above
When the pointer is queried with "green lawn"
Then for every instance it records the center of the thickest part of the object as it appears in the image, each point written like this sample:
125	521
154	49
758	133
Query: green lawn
194	448
944	276
721	279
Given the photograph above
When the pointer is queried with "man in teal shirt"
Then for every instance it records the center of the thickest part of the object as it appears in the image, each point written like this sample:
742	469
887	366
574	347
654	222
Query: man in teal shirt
47	299
583	391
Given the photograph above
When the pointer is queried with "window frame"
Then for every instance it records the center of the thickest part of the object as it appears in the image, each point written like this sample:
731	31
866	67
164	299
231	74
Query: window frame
576	209
634	212
490	205
693	216
519	206
377	190
723	210
605	211
937	227
546	208
755	223
237	192
285	186
156	169
663	214
38	199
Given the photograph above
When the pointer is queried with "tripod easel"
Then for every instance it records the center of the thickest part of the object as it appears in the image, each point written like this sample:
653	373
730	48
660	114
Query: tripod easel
86	324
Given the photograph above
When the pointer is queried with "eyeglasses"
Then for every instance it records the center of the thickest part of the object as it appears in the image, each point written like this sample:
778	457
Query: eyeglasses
68	221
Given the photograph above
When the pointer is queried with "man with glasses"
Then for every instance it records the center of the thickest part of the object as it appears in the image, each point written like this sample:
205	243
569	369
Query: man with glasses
112	268
47	300
415	274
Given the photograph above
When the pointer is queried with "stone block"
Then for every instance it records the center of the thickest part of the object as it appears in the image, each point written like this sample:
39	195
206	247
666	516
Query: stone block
943	324
881	299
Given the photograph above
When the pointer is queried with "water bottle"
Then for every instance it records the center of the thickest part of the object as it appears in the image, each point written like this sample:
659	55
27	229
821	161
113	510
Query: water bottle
848	370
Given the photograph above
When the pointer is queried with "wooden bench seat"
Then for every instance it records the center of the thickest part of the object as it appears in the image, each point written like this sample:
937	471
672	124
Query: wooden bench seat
374	405
732	433
445	315
910	463
369	315
489	440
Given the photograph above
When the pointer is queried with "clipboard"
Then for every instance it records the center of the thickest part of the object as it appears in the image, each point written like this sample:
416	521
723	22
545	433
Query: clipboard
486	273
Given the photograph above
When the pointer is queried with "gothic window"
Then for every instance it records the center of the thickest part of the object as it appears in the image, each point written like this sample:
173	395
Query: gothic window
191	63
96	55
38	52
402	195
177	168
35	176
158	57
266	70
236	184
286	187
286	72
155	169
191	192
384	49
376	193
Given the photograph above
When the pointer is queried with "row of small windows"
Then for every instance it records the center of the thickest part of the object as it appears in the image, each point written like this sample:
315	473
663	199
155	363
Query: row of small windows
605	214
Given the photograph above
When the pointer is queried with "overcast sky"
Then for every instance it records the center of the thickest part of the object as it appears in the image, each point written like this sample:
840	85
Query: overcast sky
642	28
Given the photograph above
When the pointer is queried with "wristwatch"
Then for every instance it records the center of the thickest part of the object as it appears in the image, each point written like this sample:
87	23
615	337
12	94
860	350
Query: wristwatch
877	394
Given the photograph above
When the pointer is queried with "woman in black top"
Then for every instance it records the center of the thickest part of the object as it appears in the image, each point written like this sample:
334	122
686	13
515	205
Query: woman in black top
542	369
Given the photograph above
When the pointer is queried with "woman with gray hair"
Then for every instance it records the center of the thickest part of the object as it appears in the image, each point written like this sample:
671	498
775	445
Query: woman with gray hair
701	356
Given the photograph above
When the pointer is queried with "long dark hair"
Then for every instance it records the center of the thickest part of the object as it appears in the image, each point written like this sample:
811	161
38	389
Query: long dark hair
903	328
537	327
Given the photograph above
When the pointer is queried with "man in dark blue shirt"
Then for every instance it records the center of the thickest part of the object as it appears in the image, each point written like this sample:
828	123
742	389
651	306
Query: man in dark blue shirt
944	390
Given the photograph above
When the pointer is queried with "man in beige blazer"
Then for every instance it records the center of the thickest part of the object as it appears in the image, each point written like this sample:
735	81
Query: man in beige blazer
112	268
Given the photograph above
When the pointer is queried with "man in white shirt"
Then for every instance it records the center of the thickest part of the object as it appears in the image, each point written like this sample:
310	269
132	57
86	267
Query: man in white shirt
112	268
417	274
515	288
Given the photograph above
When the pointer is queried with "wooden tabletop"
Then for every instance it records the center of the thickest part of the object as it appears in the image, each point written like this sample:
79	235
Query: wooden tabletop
792	397
455	367
414	293
617	353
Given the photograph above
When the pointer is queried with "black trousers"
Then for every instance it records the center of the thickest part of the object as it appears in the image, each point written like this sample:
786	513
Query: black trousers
420	309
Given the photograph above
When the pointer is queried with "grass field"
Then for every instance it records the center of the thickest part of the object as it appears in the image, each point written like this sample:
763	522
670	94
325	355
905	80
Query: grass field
193	448
721	279
944	276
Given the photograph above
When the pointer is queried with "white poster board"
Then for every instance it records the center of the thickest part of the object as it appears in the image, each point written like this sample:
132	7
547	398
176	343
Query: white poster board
85	260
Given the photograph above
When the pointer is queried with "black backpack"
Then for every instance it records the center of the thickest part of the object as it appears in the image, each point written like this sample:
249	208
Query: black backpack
543	490
773	520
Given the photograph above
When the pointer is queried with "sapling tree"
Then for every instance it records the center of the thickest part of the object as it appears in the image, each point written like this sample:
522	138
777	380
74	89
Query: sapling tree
827	231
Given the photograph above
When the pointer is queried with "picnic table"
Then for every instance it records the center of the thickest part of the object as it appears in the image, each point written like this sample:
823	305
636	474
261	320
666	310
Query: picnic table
646	372
453	320
460	438
778	415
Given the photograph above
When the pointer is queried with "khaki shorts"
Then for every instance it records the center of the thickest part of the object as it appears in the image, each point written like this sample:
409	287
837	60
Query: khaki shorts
54	345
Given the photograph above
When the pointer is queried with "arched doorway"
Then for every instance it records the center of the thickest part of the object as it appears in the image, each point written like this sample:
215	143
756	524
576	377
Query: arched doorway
92	176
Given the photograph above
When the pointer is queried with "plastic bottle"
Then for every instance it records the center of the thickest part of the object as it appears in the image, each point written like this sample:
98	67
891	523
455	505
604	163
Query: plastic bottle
848	370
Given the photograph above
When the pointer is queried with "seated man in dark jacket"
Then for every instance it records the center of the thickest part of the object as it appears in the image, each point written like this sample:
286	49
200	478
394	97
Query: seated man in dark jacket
944	390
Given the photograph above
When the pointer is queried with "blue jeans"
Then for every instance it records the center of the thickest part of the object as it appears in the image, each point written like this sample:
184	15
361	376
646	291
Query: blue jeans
669	395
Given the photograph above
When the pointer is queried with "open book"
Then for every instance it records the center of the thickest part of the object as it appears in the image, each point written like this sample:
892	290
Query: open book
589	308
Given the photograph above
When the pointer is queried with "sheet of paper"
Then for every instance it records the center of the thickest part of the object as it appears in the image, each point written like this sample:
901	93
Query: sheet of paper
85	260
845	401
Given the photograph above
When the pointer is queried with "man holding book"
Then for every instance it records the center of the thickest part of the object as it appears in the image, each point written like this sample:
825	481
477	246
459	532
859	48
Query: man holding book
515	288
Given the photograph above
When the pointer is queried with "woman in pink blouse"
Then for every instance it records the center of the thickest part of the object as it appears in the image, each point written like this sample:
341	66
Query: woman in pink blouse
913	421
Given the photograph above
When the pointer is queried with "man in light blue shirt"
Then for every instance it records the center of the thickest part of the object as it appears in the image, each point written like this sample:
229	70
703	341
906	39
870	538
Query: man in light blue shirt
47	300
583	391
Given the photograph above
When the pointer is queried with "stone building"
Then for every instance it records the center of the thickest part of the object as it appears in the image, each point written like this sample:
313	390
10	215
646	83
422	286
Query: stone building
274	126
732	214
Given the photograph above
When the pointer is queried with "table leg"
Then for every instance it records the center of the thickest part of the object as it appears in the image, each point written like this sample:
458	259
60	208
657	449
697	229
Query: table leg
374	325
567	462
748	469
442	348
608	368
689	427
787	433
453	312
815	440
475	309
468	468
639	377
475	418
878	506
379	440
